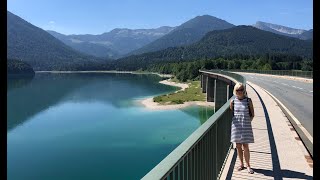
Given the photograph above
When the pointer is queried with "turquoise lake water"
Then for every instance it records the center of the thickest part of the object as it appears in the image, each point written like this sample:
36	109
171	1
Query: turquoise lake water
90	126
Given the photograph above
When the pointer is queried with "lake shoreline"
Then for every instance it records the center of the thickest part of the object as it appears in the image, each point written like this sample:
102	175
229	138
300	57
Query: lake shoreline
150	104
125	72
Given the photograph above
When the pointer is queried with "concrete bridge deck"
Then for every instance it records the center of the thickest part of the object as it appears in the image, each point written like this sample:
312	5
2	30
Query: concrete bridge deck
277	153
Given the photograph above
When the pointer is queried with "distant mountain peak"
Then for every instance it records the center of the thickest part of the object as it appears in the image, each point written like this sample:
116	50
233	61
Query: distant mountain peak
246	41
187	33
116	30
114	43
279	28
206	16
283	30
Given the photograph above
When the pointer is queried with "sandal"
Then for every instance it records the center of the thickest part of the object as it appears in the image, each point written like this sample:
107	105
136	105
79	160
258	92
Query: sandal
250	171
240	168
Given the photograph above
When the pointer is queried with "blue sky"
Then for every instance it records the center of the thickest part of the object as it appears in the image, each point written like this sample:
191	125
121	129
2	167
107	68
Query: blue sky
99	16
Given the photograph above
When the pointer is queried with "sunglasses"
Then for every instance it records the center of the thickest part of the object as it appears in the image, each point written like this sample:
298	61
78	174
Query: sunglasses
239	90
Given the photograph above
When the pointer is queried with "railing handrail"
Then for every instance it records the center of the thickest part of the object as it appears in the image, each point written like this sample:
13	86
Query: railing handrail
174	158
217	73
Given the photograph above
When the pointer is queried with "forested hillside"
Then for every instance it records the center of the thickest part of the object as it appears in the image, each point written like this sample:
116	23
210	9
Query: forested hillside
185	34
15	66
241	42
38	48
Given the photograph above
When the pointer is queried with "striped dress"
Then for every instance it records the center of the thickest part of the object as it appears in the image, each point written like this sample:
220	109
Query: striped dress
241	129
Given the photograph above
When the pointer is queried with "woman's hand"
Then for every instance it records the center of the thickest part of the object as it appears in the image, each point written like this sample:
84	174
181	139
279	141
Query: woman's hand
251	109
231	105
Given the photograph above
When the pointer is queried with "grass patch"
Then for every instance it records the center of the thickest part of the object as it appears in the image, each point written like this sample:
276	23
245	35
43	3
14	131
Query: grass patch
193	93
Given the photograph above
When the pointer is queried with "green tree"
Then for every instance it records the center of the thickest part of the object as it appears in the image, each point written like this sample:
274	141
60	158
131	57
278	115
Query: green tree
307	66
267	67
244	65
231	65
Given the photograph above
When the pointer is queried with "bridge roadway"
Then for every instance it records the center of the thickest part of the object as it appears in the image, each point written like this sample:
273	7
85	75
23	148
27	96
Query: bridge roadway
296	95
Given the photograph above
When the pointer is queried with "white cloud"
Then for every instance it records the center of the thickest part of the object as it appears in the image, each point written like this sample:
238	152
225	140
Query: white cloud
52	24
284	13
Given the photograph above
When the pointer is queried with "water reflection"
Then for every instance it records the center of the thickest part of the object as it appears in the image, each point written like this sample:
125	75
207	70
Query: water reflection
199	112
27	96
83	126
14	82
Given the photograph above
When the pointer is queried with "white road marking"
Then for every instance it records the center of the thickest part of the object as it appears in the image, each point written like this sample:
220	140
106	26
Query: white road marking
262	79
297	87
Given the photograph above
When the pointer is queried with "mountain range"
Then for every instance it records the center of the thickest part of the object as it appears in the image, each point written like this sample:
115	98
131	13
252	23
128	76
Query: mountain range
201	37
185	34
38	48
121	42
236	41
286	31
112	44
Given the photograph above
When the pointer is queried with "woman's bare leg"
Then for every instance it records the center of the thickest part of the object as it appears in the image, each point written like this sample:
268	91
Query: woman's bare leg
240	153
246	154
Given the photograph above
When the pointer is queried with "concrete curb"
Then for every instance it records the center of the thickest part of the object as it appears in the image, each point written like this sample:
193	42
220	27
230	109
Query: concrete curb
306	138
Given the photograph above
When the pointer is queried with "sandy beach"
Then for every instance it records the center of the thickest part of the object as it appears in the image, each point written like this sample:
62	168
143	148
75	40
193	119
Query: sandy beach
183	86
148	102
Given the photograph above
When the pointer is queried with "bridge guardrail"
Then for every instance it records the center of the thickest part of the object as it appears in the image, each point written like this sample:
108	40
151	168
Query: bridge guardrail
203	153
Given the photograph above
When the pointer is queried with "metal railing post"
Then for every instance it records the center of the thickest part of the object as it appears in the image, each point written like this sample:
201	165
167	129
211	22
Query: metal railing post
227	92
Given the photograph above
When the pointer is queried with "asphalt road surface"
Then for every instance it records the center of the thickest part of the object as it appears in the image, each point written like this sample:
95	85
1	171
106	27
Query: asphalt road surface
297	96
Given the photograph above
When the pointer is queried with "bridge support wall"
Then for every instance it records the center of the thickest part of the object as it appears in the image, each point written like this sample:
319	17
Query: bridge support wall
211	90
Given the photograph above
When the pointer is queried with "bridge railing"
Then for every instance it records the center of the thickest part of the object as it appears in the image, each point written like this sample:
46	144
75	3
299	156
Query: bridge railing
297	73
202	155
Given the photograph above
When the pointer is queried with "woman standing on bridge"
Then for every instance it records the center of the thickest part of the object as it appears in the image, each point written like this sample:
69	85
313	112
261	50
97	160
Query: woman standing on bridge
241	129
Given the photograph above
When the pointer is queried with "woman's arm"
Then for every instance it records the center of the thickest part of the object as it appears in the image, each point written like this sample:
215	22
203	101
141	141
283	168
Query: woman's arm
231	105
251	109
